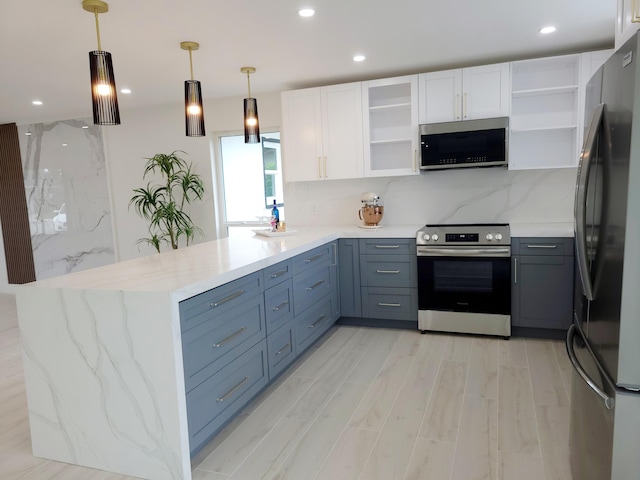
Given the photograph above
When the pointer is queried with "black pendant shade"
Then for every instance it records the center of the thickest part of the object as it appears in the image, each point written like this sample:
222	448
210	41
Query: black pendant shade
251	124
103	89
194	113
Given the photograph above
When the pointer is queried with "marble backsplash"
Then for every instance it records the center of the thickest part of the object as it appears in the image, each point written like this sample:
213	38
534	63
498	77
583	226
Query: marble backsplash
476	195
67	196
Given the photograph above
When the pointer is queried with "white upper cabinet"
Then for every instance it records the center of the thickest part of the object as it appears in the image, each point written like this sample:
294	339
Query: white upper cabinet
390	126
547	98
464	94
322	133
627	22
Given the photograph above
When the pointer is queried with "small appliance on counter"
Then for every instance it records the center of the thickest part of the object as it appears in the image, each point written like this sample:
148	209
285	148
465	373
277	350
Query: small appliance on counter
371	211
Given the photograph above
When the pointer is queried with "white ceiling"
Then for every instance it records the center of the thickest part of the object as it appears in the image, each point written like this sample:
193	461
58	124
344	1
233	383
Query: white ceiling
44	45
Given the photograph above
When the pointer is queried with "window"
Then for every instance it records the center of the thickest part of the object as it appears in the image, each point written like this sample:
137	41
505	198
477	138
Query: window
249	179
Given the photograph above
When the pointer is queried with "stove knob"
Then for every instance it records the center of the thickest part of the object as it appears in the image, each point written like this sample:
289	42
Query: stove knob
489	237
426	237
434	237
498	236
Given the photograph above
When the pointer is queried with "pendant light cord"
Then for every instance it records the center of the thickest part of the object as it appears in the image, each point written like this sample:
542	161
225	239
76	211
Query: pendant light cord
249	84
191	63
95	11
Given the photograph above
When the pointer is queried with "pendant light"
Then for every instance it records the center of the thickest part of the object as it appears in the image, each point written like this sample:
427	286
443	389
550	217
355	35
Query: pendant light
251	125
103	83
194	113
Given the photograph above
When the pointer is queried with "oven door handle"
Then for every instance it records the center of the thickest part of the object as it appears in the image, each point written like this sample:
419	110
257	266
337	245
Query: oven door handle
467	252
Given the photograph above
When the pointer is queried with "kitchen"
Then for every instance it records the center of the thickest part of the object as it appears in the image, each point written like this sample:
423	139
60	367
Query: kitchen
516	186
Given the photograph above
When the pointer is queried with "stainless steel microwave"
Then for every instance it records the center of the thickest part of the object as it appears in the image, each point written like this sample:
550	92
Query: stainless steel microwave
468	143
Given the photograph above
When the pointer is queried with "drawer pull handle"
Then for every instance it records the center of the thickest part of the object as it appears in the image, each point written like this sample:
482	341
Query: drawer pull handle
315	257
321	319
229	338
227	299
232	391
387	271
542	246
278	274
382	304
283	348
315	285
283	304
387	246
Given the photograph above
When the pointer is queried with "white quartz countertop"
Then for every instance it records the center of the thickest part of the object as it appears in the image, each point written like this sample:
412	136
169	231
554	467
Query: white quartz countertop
189	271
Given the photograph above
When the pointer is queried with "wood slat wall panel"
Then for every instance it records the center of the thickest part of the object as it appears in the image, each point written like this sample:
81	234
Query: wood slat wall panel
14	215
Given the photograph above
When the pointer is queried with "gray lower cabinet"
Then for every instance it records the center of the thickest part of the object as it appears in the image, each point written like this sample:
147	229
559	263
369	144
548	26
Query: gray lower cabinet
238	337
389	279
349	274
542	285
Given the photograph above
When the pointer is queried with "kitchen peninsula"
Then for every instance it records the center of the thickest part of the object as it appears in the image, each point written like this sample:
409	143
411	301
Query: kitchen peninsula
103	356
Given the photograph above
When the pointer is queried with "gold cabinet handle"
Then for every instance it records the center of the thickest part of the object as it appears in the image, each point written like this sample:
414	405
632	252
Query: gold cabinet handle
319	167
387	271
464	106
457	106
325	167
382	304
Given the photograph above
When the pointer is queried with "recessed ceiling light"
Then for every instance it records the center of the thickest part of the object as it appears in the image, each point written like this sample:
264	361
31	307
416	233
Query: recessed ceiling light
64	144
126	91
358	58
547	30
28	134
85	126
306	12
37	102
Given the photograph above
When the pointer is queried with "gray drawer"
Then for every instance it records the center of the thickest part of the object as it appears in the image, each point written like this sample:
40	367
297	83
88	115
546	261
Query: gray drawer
314	257
280	349
313	323
277	273
278	305
309	286
211	345
390	303
199	309
388	270
388	246
216	400
542	246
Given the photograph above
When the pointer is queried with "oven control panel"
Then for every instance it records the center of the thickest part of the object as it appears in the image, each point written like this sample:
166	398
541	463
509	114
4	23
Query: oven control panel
464	235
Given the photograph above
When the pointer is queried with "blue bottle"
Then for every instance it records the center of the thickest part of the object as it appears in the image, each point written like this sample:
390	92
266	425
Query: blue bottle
275	217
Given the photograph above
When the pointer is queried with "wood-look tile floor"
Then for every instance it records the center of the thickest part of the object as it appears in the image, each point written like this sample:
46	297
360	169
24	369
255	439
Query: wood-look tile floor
363	404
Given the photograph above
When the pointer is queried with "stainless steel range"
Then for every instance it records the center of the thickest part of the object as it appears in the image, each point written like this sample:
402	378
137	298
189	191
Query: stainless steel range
464	278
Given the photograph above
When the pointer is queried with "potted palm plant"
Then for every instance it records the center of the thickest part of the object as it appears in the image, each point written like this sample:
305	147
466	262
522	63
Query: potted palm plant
162	204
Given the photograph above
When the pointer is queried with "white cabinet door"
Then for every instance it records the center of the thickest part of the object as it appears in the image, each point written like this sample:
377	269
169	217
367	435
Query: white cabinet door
627	21
465	94
322	133
302	135
390	126
342	131
440	96
485	91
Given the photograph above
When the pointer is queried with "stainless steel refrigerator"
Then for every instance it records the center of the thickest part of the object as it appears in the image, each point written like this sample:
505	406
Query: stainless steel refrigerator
603	343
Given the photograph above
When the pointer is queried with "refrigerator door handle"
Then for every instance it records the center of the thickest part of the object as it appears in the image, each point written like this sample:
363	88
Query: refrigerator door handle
581	200
608	401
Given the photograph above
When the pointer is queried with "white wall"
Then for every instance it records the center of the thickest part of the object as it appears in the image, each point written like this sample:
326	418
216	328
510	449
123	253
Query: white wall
144	133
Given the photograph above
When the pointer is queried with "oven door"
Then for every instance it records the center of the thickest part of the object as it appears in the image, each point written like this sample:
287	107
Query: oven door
465	280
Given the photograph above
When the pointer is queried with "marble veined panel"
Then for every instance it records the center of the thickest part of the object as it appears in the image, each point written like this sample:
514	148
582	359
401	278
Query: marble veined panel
104	380
67	196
